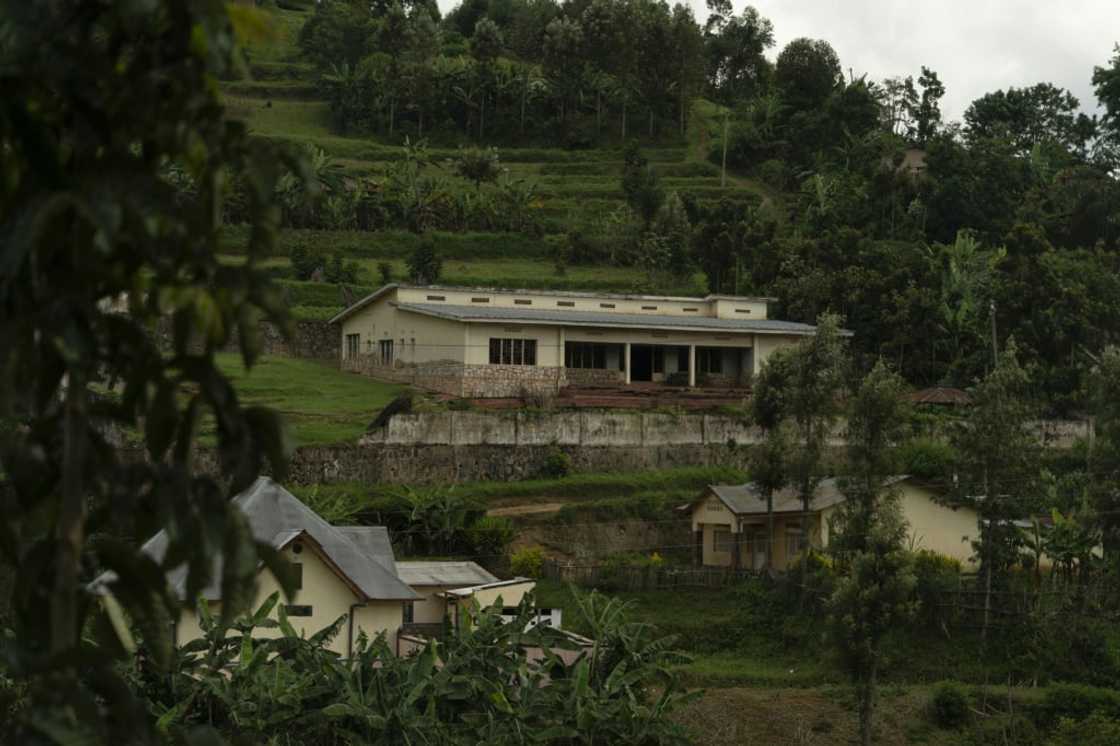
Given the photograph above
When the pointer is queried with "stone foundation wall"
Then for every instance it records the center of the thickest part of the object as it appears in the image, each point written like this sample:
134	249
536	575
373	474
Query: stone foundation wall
594	377
468	381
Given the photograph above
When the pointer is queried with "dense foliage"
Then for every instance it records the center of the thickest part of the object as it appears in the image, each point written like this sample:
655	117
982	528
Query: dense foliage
257	681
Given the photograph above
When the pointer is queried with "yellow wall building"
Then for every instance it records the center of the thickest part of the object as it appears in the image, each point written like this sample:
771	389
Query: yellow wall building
731	529
482	342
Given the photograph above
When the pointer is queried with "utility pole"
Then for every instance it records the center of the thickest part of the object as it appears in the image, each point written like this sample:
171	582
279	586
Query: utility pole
723	169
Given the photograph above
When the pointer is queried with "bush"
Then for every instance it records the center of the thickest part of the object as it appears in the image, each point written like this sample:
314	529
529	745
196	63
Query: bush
385	272
424	265
490	537
557	464
528	562
1077	702
774	173
949	706
1096	730
926	458
936	575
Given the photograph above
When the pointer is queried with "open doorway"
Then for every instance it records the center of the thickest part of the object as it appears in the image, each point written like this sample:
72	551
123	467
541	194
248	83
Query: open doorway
641	362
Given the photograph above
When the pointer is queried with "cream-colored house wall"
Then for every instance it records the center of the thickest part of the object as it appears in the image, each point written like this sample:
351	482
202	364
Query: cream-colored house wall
766	344
723	306
327	595
937	527
752	547
435	339
549	348
511	594
433	608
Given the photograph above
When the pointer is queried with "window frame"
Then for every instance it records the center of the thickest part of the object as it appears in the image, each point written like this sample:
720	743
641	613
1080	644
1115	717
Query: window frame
513	351
730	541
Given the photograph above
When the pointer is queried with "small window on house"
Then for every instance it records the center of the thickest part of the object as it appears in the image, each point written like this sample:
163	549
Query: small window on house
296	575
522	302
742	310
480	300
513	351
409	613
649	308
385	348
721	538
690	310
437	297
606	305
353	345
297	610
709	360
565	303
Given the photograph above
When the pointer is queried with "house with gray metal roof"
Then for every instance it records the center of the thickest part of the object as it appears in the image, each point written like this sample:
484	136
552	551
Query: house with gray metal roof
732	528
490	342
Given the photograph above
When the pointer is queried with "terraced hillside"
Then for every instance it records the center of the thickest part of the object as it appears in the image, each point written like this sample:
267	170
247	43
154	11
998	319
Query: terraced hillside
569	192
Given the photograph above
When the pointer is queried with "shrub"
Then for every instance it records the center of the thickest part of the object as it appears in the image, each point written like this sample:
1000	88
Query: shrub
385	272
774	173
949	706
1077	702
490	536
528	562
926	458
936	575
1096	730
557	464
424	265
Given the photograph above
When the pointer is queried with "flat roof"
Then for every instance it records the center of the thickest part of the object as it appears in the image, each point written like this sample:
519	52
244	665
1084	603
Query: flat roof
551	293
497	315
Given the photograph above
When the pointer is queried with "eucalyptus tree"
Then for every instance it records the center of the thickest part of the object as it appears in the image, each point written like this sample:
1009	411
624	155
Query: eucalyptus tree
736	69
688	60
769	469
486	46
102	103
874	591
563	62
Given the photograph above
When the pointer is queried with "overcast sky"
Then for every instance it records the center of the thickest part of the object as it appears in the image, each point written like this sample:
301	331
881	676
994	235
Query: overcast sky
976	46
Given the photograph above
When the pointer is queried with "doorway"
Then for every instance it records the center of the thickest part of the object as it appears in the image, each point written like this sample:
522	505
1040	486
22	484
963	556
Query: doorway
641	362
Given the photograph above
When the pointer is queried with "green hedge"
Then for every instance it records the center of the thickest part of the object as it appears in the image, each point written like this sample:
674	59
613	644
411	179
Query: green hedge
396	244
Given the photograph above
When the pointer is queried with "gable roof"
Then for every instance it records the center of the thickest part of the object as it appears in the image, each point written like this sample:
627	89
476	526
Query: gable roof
443	573
277	517
744	499
499	315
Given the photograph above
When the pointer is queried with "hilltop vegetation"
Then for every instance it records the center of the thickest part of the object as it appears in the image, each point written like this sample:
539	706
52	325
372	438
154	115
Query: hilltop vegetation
580	145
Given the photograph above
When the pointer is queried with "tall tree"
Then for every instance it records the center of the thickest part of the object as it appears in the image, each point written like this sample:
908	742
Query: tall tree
817	372
998	463
807	72
1027	117
1106	83
768	467
486	45
563	63
874	592
688	51
926	115
118	157
737	69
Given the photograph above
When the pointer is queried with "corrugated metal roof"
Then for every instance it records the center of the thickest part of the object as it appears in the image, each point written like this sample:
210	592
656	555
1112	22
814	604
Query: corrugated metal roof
443	573
276	516
744	499
618	320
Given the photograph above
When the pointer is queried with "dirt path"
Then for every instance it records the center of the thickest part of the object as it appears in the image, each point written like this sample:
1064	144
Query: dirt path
530	509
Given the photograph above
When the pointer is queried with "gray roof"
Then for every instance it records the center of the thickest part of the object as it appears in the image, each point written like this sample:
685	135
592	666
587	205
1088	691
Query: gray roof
744	499
443	573
552	293
361	554
493	314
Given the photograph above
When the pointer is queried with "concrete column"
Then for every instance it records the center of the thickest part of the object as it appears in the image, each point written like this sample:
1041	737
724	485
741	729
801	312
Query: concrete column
626	361
692	366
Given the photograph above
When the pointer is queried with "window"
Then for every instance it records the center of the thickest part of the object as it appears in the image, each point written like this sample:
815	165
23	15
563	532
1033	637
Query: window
585	355
565	303
742	310
480	300
513	351
722	541
795	542
690	310
709	360
294	610
409	614
385	349
437	297
522	302
353	345
606	305
295	574
649	308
